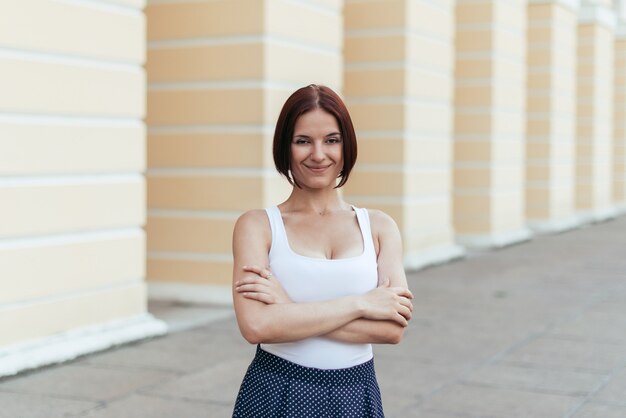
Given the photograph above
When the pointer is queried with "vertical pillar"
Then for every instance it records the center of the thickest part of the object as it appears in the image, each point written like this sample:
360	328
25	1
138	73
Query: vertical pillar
551	118
72	145
218	74
489	148
398	86
594	174
619	145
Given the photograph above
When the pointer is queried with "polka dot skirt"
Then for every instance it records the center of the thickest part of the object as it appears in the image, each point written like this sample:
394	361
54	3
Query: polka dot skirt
275	387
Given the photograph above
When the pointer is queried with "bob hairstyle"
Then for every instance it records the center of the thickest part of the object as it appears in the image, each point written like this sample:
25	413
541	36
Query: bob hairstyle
300	102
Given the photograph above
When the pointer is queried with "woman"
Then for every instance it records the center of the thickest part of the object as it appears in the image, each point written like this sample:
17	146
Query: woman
316	280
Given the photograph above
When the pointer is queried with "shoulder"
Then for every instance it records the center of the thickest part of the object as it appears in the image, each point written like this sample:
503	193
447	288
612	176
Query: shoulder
253	216
381	222
385	232
253	221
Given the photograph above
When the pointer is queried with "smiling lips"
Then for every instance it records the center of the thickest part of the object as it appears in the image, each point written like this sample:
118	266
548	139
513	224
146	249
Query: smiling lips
318	169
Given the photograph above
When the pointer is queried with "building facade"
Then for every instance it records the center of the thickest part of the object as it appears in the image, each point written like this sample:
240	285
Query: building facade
133	135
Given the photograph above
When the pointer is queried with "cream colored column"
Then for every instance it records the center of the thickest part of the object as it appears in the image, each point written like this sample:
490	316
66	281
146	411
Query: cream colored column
72	147
619	145
490	101
551	119
219	72
398	86
594	174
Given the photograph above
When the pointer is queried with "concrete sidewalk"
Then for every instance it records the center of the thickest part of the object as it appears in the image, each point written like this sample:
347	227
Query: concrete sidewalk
533	330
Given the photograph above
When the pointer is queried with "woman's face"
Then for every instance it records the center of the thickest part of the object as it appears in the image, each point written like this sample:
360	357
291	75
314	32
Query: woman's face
316	150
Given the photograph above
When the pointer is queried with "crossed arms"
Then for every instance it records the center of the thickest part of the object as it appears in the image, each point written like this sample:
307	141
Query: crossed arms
265	313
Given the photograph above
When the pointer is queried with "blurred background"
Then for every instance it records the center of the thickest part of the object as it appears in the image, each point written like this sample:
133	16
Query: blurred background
133	134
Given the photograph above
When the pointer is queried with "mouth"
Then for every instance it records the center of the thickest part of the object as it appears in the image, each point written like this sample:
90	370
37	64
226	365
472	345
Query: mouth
317	168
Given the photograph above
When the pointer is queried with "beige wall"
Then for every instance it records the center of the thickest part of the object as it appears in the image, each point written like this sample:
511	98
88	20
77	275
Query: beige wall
551	118
595	72
218	73
619	146
398	86
489	128
72	246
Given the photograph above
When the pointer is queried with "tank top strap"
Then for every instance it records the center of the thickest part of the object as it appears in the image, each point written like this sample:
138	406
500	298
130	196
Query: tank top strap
366	229
279	235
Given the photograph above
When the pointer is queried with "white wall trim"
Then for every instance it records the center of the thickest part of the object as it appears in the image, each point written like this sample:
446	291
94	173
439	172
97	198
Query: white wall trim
598	215
189	256
621	209
554	226
492	241
77	342
108	64
63	180
262	39
573	5
191	293
247	84
108	6
418	259
69	238
599	15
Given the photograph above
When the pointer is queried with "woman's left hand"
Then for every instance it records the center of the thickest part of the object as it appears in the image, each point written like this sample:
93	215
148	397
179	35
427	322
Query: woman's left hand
263	287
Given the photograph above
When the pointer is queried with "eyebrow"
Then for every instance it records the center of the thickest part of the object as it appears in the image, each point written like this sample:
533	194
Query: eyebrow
308	137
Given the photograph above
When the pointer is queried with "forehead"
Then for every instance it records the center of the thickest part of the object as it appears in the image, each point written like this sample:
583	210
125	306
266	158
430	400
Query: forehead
316	121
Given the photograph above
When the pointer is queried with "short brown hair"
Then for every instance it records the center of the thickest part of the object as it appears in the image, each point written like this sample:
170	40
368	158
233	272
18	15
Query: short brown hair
300	102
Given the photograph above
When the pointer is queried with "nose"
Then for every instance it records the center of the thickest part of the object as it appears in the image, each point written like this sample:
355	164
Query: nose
317	153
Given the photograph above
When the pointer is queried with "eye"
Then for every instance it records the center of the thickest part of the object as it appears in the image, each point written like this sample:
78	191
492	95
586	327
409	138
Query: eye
334	140
300	141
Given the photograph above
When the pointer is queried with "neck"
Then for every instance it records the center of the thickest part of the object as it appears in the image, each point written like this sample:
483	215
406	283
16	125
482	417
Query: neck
321	202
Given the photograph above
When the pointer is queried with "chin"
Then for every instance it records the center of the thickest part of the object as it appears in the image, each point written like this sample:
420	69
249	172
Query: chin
317	184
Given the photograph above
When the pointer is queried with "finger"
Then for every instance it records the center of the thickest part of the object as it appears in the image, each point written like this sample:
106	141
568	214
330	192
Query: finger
401	320
261	271
250	280
402	291
405	312
259	288
261	297
406	302
256	274
254	269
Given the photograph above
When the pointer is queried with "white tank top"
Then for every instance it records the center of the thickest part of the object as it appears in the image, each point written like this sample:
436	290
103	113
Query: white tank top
308	279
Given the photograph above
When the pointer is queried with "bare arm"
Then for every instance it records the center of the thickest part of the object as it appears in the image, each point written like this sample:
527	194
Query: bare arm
285	322
390	266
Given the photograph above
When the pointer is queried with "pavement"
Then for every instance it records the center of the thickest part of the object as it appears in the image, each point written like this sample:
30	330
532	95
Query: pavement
532	330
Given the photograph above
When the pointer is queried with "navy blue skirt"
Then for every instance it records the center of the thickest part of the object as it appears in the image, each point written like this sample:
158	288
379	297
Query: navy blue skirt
275	387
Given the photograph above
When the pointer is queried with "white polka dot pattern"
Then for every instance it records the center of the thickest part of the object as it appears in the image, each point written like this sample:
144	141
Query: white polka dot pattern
275	387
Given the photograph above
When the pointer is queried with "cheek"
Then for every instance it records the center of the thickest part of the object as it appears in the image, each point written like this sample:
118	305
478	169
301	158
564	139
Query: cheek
294	158
339	155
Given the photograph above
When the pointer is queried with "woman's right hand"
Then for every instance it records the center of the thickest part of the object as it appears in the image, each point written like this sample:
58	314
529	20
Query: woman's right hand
388	303
263	287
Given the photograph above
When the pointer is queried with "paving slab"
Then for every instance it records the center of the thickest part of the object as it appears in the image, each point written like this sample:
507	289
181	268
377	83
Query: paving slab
599	410
560	382
143	406
83	382
614	391
424	377
26	405
569	353
219	383
497	402
595	324
181	352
